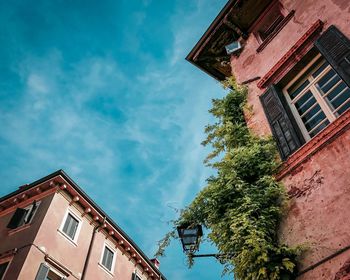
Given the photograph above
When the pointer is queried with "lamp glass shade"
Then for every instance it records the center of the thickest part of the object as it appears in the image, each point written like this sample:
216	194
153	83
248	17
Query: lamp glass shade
190	237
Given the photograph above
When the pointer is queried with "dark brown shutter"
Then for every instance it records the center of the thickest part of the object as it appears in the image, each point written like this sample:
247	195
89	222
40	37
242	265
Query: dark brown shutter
283	126
42	272
17	218
335	47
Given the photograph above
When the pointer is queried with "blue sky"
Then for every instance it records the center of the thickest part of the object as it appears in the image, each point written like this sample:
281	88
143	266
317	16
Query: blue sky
101	89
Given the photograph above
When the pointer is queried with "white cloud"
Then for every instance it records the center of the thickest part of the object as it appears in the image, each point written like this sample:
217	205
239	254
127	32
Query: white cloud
37	84
58	123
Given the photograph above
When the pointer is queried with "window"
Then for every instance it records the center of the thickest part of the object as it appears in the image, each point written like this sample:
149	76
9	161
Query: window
269	21
47	273
135	277
70	226
53	276
23	216
108	258
317	97
3	268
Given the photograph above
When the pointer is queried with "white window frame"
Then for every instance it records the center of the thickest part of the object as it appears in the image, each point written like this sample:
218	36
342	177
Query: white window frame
26	222
80	222
315	92
29	208
111	271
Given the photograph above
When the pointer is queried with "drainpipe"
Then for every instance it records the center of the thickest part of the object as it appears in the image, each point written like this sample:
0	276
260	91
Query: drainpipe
95	230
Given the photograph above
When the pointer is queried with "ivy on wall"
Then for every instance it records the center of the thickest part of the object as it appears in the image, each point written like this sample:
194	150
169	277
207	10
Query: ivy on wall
243	203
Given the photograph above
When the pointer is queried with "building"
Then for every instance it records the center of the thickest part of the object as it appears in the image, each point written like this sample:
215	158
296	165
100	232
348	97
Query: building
51	229
294	56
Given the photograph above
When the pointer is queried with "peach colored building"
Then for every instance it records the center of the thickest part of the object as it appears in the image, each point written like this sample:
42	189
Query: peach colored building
294	56
51	229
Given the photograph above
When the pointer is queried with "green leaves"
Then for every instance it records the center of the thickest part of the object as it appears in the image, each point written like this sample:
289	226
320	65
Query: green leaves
243	203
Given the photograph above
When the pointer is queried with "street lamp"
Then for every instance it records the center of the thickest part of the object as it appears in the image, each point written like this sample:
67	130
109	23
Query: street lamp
190	236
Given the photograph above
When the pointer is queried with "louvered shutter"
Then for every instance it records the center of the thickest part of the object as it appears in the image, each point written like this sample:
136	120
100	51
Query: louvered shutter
42	272
133	276
17	218
281	122
335	47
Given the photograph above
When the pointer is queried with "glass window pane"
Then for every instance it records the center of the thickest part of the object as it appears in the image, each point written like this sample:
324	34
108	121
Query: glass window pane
340	99
344	108
294	92
107	259
328	81
70	226
320	69
318	129
338	89
313	118
309	115
305	102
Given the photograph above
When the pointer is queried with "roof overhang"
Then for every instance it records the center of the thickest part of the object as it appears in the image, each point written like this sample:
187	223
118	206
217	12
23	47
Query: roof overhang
59	180
233	22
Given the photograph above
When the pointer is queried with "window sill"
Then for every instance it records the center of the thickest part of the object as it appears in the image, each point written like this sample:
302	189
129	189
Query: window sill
321	140
106	269
73	242
18	229
273	34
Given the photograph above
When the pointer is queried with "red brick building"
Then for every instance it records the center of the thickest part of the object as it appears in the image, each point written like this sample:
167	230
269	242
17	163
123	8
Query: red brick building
294	56
51	229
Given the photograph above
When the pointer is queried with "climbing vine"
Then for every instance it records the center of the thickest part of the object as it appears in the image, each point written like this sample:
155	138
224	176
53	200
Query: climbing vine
242	204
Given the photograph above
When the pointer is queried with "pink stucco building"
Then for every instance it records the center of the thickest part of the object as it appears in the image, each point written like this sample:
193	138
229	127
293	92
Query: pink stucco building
294	56
51	229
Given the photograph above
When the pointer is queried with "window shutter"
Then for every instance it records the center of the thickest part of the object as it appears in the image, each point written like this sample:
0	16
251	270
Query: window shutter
133	276
42	272
282	124
335	47
17	218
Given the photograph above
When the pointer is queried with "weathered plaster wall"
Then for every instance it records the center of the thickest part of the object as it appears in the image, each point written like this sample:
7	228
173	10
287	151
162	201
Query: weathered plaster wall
320	207
320	186
23	238
72	255
251	64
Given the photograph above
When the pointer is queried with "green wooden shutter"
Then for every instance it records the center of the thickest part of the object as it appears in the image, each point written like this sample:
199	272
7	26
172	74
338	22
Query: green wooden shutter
335	47
17	218
282	124
42	272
